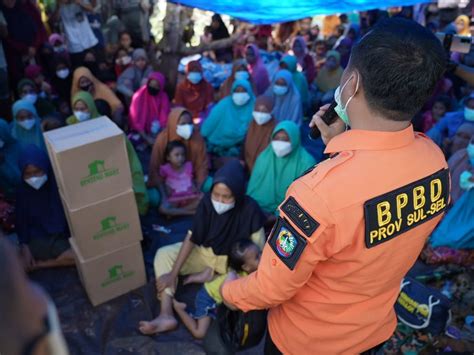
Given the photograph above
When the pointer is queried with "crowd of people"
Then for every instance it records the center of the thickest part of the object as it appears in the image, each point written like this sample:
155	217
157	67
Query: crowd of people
224	155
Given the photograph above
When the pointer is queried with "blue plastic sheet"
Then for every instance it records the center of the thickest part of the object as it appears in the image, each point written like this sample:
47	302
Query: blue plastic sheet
275	11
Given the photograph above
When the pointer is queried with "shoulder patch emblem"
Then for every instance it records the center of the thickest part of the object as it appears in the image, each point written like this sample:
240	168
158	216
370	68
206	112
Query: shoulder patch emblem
300	217
396	212
287	244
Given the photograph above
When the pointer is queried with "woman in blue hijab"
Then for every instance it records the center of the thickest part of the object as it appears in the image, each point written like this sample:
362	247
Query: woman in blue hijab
9	155
227	124
26	125
40	220
288	104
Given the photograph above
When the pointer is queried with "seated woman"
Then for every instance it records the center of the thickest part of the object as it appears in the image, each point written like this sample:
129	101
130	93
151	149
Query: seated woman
289	62
149	109
194	93
260	130
180	197
180	128
226	126
239	72
136	76
286	98
329	77
223	217
85	109
83	80
461	161
26	125
305	61
27	90
257	69
283	161
10	176
40	221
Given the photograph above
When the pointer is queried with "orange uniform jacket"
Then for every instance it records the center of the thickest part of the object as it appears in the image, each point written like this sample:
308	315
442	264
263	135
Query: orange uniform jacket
348	233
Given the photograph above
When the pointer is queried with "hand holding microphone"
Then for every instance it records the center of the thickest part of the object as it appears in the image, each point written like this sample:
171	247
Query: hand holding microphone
326	123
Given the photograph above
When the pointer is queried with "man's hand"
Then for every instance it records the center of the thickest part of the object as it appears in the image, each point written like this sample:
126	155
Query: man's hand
327	132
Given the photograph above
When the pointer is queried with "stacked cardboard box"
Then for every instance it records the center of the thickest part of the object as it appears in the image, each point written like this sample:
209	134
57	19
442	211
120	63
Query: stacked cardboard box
91	166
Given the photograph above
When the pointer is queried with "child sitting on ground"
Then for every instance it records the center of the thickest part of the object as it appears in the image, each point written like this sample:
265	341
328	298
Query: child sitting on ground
180	196
243	259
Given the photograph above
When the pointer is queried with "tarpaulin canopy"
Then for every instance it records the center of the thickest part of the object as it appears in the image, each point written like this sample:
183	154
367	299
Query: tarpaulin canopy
275	11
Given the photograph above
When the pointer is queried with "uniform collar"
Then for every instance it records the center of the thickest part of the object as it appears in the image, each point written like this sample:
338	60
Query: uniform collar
370	140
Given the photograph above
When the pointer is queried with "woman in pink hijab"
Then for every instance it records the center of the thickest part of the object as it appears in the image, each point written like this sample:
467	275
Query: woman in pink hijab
257	69
150	108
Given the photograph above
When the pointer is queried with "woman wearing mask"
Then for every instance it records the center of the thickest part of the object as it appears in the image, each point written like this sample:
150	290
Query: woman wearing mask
26	125
461	162
194	94
260	130
10	149
62	81
83	80
135	76
226	126
283	161
287	99
257	69
28	91
180	127
289	62
123	61
239	72
224	216
305	61
41	223
150	108
83	107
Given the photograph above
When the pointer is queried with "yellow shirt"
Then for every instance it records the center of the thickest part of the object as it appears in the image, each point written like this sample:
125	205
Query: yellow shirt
213	287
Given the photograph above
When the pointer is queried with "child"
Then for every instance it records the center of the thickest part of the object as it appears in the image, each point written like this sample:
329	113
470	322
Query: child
179	190
243	259
441	105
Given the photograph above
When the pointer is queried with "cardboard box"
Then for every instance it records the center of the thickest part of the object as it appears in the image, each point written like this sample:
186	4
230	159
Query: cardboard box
106	225
89	160
111	275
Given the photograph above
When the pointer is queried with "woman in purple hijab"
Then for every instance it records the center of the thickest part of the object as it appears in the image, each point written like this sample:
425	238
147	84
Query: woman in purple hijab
257	69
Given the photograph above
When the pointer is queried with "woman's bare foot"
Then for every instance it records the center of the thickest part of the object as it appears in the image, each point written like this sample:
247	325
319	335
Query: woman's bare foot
200	277
160	324
179	306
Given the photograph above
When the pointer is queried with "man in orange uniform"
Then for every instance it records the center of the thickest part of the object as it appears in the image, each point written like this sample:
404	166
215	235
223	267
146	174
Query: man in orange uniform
350	229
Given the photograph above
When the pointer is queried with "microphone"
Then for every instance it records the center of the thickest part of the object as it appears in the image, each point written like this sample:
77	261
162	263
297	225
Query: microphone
329	117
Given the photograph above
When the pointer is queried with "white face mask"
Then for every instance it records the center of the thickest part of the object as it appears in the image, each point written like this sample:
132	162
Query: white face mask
281	148
155	127
222	208
31	98
82	116
63	73
2	144
240	98
185	131
261	117
37	182
27	124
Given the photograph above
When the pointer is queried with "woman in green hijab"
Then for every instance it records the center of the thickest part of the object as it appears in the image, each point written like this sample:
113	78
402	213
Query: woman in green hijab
84	109
290	63
278	166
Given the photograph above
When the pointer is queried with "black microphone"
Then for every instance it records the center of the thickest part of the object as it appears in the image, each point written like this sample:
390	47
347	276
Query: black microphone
329	117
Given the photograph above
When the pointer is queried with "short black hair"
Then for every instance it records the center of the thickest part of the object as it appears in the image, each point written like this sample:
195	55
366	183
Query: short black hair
103	107
399	62
172	145
237	252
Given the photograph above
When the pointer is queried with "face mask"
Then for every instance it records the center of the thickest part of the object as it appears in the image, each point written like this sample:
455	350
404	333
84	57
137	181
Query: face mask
281	148
240	98
242	75
153	91
155	127
27	124
194	77
59	49
2	144
470	153
280	90
464	180
340	110
31	98
126	60
82	116
185	131
469	114
222	208
63	73
37	181
261	117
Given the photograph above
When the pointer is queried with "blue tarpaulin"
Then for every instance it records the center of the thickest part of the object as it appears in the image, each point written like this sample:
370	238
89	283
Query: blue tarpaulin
275	11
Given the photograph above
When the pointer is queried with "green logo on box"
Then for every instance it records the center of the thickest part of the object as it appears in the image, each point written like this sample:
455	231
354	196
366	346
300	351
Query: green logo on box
98	172
116	274
109	226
